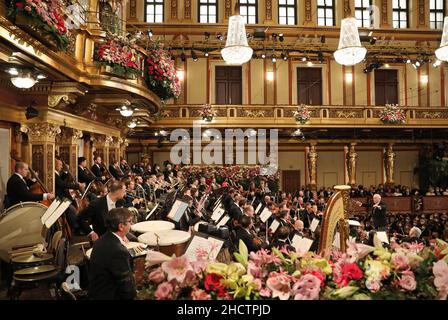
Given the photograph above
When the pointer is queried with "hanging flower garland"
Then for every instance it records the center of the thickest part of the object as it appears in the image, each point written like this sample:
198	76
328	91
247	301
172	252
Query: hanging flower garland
160	73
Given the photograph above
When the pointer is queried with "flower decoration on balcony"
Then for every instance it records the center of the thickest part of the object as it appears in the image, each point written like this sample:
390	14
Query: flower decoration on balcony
44	17
207	113
121	54
160	73
302	114
393	115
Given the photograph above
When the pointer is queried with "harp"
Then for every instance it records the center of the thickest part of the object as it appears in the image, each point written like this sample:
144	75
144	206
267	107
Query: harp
335	218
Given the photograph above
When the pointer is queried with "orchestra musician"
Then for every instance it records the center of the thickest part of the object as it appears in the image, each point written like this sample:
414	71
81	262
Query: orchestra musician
130	198
243	232
282	239
97	210
124	167
84	175
62	188
110	270
97	168
190	217
115	170
18	187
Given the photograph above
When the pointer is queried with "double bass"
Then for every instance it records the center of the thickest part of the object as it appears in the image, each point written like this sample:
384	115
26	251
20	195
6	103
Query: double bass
75	195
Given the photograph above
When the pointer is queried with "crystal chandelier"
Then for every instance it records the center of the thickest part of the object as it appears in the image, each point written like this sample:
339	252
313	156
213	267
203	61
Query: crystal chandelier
350	51
442	51
236	51
24	79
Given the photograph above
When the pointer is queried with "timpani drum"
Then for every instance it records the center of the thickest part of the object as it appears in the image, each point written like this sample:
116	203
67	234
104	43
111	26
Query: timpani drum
152	226
21	225
167	241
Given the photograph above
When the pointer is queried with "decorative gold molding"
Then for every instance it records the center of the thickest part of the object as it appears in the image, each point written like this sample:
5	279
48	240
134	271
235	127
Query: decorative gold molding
308	16
268	6
384	10
133	8
187	9
421	12
228	9
347	9
43	132
60	100
173	9
69	136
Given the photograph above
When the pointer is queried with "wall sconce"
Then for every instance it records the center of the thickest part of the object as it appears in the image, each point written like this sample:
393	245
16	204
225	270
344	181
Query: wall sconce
180	74
270	75
424	78
349	77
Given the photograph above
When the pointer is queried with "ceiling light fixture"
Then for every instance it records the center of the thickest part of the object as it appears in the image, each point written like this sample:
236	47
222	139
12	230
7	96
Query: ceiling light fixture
132	124
350	51
126	111
442	51
23	79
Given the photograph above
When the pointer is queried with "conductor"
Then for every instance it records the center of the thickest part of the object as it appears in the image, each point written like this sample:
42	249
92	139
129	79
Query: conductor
378	212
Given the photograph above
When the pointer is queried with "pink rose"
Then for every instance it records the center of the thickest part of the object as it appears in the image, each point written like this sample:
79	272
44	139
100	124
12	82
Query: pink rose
307	288
407	281
265	292
157	275
440	270
199	294
373	285
400	261
164	291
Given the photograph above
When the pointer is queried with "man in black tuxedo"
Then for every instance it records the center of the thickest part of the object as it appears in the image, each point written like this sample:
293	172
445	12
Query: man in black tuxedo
62	188
243	233
83	173
378	212
97	169
98	209
110	273
124	165
189	218
17	187
282	239
115	170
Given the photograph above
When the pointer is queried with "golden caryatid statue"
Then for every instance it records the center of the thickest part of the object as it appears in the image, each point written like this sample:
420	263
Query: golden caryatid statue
312	166
335	220
351	164
389	162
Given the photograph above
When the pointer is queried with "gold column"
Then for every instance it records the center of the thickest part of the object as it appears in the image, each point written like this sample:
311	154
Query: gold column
389	162
351	164
67	143
312	166
42	151
123	144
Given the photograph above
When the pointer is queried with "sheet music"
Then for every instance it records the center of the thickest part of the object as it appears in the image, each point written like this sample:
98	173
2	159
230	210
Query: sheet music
265	214
50	210
354	223
314	224
177	210
274	226
382	236
57	213
217	214
258	208
301	245
218	202
223	221
211	246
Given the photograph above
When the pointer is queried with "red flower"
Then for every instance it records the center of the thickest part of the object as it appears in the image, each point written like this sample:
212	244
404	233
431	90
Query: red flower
212	283
350	271
19	5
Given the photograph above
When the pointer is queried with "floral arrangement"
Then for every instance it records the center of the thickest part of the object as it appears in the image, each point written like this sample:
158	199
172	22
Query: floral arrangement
45	16
302	114
408	271
392	114
207	113
160	73
121	54
243	175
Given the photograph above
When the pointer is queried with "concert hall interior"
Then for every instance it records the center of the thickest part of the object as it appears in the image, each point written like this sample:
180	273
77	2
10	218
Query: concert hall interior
223	149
